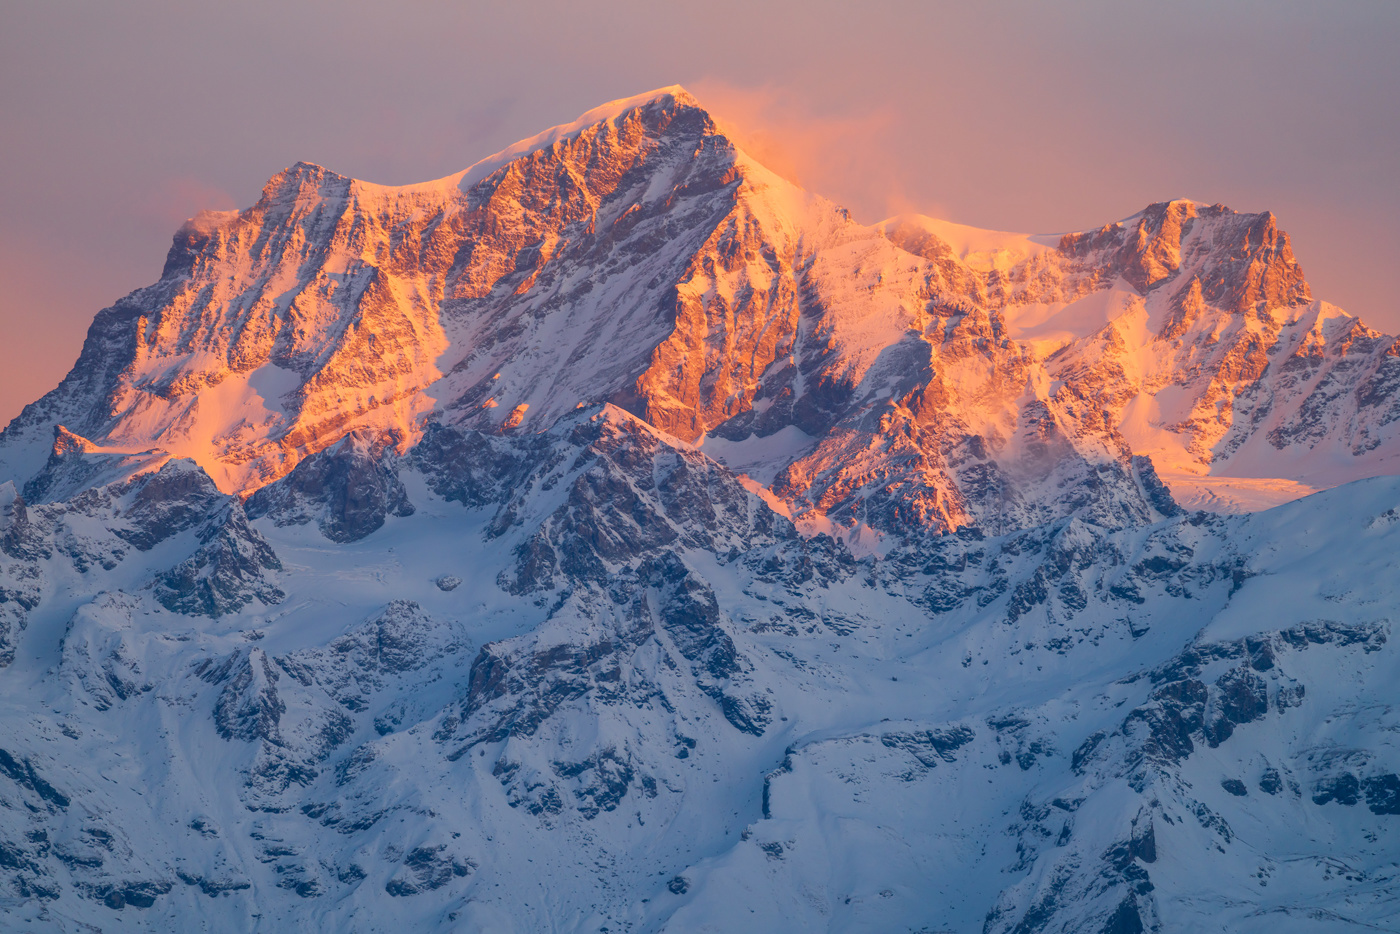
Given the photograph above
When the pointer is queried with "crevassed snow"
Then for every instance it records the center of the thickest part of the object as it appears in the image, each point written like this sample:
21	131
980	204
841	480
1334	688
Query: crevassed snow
760	458
978	248
1232	494
1059	323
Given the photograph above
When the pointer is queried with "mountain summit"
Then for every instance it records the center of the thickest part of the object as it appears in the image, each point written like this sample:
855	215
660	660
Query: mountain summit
614	536
637	256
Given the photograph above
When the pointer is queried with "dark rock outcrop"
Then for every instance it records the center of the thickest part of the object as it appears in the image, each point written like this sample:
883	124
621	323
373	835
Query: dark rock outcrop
347	490
233	566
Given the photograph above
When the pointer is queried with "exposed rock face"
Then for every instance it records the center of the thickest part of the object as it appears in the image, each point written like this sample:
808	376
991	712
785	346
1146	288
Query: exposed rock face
352	668
631	492
687	556
233	567
935	378
347	489
1249	268
102	527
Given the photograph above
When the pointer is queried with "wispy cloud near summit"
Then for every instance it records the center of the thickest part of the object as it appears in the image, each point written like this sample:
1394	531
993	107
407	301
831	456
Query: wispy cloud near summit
851	151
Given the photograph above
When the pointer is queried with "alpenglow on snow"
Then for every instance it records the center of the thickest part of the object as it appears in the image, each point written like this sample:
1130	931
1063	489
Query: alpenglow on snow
615	536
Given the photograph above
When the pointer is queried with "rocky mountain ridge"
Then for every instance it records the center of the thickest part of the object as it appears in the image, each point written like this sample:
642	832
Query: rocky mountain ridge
639	257
599	645
615	537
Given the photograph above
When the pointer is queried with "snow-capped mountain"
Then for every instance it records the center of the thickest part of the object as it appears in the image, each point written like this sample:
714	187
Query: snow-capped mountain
615	536
911	374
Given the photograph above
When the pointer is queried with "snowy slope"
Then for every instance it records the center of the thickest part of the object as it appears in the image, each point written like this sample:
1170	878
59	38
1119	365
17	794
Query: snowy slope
590	680
637	256
615	536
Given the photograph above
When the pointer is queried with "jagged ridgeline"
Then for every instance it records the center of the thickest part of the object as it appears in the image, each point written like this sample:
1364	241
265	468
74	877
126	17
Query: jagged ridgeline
616	537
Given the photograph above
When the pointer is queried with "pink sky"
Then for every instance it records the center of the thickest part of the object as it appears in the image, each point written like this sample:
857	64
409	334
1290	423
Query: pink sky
122	119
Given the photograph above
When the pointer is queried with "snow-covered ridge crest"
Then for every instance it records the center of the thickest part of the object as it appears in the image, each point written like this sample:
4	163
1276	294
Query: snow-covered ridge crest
464	180
497	641
276	329
980	249
671	96
636	256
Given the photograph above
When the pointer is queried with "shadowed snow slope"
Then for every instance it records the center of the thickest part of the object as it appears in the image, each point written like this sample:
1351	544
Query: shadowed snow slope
591	680
616	537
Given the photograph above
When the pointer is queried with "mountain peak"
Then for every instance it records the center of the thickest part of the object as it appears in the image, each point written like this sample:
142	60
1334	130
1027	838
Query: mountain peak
672	97
673	93
636	256
300	175
1245	262
624	521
